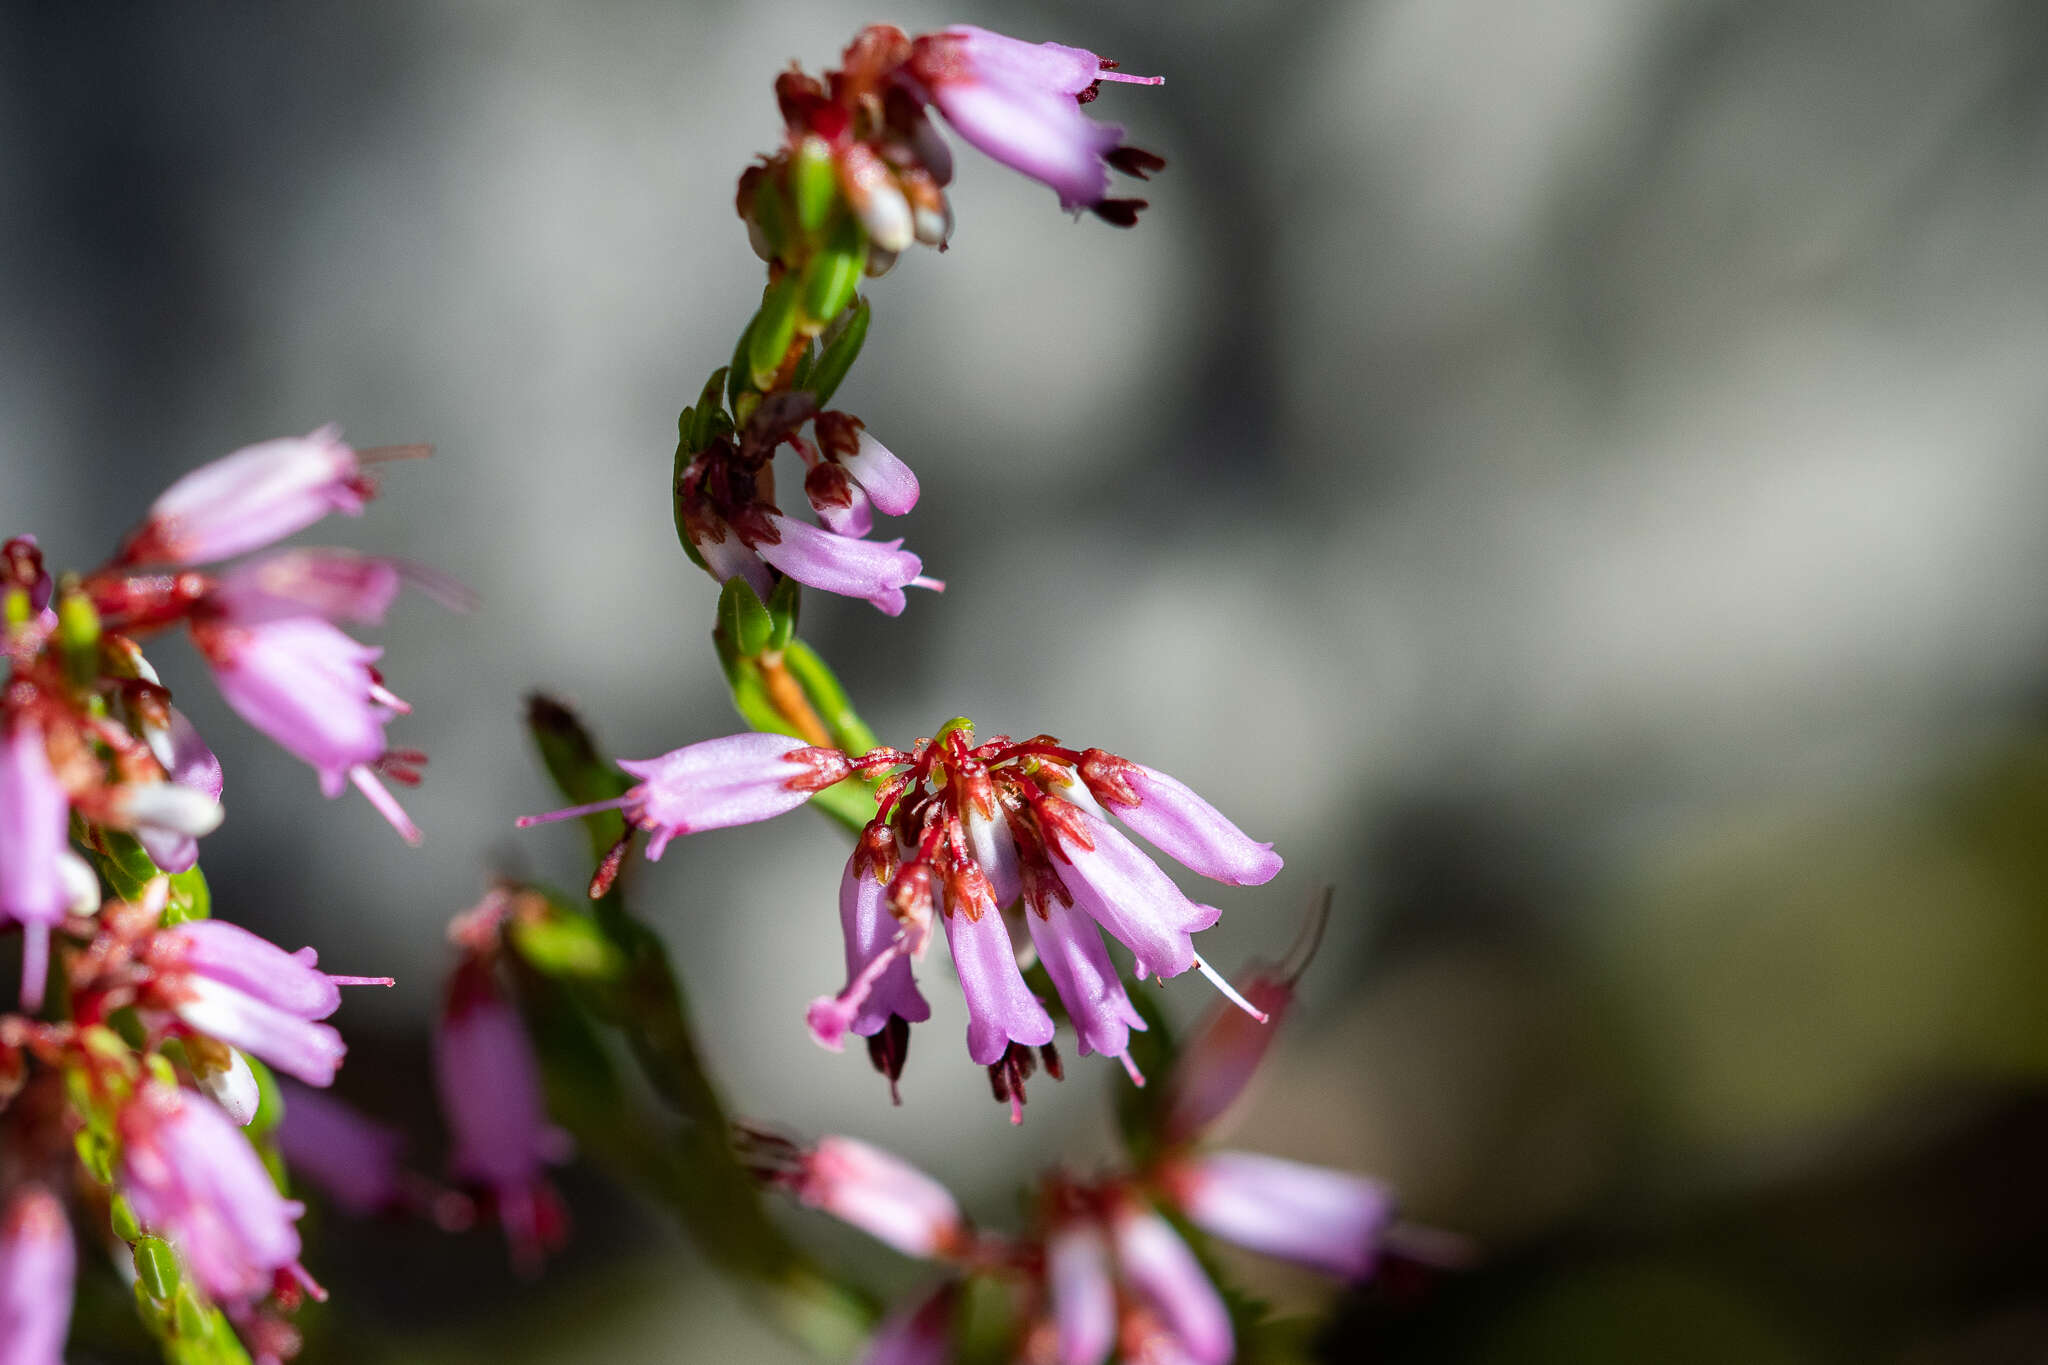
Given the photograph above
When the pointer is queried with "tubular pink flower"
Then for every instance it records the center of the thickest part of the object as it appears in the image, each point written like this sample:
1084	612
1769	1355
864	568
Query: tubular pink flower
855	520
490	1093
1129	896
1157	1265
351	1157
888	1199
1071	948
38	1264
35	845
1327	1220
1000	1008
885	478
920	1333
227	983
336	585
877	571
715	784
1180	824
1083	1294
1020	103
259	494
312	689
194	1180
879	982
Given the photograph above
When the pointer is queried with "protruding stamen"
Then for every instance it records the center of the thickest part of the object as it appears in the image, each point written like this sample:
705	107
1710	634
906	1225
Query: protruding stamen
387	805
361	980
608	867
1229	991
529	821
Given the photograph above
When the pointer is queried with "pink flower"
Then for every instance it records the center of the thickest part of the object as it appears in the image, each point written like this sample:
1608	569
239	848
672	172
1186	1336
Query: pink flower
37	1267
1088	985
491	1095
1327	1220
817	558
879	983
189	768
888	1199
1082	1292
1000	1008
1177	822
715	784
1020	103
353	1158
221	981
259	494
313	690
195	1181
1159	1268
36	887
336	585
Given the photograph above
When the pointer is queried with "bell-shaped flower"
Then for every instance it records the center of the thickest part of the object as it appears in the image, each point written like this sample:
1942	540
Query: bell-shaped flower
1166	1277
890	1200
1328	1220
877	571
1180	824
352	1158
1071	948
1111	878
38	882
312	689
879	947
194	1180
244	501
38	1265
1000	1008
715	784
1082	1292
1021	103
490	1090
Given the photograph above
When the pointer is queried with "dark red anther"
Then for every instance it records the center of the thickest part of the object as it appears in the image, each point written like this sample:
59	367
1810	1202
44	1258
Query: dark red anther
838	433
1136	161
1050	1055
21	560
799	97
888	1049
1121	213
827	485
608	867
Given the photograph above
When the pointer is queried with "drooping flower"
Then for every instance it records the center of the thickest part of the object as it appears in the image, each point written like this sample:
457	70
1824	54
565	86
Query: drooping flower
244	501
964	831
1021	103
194	1180
190	768
919	1333
35	886
37	1267
1164	1274
490	1093
1082	1292
1328	1220
354	1159
223	982
312	689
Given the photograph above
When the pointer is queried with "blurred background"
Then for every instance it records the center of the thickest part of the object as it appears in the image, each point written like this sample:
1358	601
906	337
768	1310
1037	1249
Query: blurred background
1571	473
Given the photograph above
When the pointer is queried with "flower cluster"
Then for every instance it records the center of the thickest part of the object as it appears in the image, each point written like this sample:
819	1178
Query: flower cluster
149	1074
1101	1270
977	835
861	176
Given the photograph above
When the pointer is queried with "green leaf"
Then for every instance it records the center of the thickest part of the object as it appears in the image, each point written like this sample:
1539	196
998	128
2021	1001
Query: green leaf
839	348
784	603
190	897
156	1266
833	273
564	944
736	373
743	618
701	422
579	771
814	184
773	330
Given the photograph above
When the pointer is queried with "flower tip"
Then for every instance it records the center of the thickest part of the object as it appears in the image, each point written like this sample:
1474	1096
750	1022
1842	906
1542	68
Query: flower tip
827	1020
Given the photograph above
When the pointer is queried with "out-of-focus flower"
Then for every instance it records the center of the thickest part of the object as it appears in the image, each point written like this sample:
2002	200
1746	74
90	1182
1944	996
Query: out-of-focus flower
195	1181
244	501
1328	1220
1020	103
1082	1292
37	1267
35	888
223	982
491	1096
888	1199
1159	1268
919	1333
353	1158
313	690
